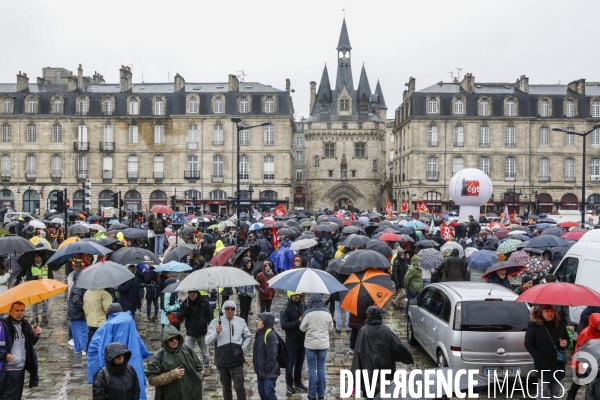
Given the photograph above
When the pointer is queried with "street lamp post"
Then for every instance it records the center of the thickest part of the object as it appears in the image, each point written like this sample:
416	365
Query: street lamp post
584	136
237	197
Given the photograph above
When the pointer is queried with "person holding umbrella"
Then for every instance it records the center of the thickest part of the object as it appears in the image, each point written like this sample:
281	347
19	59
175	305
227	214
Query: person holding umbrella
39	270
413	280
159	227
499	277
290	319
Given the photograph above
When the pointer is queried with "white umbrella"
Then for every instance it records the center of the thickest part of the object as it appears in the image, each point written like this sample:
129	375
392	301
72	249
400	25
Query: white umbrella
37	224
96	227
303	244
511	233
453	245
470	250
215	277
57	220
103	275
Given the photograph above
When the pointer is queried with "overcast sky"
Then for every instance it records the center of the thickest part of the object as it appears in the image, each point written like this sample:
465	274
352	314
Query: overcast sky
204	41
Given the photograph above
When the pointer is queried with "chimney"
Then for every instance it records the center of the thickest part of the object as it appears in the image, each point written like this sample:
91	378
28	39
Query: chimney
80	78
234	84
22	82
287	85
179	83
468	83
125	78
523	84
97	78
71	82
313	95
577	86
411	85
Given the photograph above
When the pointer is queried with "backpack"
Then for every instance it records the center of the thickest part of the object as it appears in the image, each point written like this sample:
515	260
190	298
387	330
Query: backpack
107	374
159	226
282	354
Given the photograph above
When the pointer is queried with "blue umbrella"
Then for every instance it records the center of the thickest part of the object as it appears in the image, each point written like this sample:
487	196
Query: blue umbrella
113	221
306	280
547	221
543	226
414	224
173	266
72	249
256	226
482	259
520	237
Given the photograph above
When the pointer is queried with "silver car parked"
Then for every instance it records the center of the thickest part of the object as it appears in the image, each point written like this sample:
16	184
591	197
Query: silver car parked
471	325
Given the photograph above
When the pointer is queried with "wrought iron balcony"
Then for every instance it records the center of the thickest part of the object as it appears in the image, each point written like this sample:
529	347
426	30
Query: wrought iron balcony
544	178
159	174
132	174
82	174
433	176
569	179
81	146
107	174
191	174
217	178
107	146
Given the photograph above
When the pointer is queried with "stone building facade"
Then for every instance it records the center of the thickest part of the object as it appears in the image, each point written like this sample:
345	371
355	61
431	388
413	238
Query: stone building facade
504	129
149	141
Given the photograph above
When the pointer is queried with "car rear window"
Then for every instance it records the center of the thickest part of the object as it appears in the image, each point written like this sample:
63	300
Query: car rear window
494	316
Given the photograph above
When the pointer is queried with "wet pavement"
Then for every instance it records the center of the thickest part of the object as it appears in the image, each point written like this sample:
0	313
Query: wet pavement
63	373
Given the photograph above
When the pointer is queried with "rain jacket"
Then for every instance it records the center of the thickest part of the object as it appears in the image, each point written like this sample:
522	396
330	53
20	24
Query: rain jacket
163	375
454	268
75	301
232	342
219	246
197	314
130	294
399	269
413	280
264	355
31	361
589	333
123	382
265	292
494	278
249	289
541	343
341	250
317	260
119	327
259	263
168	307
283	257
317	323
95	305
377	347
289	318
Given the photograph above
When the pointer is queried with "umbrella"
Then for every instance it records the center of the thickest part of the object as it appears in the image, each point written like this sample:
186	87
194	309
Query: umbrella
31	292
359	260
94	218
454	245
501	234
380	247
482	259
427	244
306	280
553	231
326	227
89	247
40	242
225	224
406	238
134	233
349	230
354	241
561	293
508	245
173	266
37	224
366	288
11	224
78	229
134	255
113	221
303	244
521	237
519	256
287	232
26	260
293	223
307	224
537	267
575	235
280	224
15	245
119	226
70	240
171	286
414	224
256	226
511	267
430	258
470	251
543	226
546	242
222	256
389	237
108	241
178	252
547	221
103	275
215	277
568	224
306	235
96	227
160	209
187	229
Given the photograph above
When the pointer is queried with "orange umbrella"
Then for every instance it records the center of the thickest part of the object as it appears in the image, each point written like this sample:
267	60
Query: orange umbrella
31	292
366	288
70	240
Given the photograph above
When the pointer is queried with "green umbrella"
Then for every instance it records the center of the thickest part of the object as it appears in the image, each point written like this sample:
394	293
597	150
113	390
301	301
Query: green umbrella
215	226
508	246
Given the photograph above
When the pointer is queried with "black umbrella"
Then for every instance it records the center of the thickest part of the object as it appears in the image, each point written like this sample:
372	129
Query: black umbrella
78	229
354	241
427	244
12	244
187	229
288	232
134	233
108	242
359	260
306	235
348	230
178	252
280	224
134	255
117	227
335	220
254	252
26	259
546	242
94	218
371	229
11	224
380	247
326	227
171	287
511	267
293	223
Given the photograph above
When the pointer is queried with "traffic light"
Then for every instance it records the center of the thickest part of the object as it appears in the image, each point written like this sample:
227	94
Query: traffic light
87	188
173	202
59	202
115	197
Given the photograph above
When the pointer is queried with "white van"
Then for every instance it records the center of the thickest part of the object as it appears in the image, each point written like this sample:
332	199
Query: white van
581	265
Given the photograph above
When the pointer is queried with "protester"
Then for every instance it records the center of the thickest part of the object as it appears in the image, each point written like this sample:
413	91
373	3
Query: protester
499	277
316	262
399	269
174	369
413	280
117	380
95	306
266	293
246	293
259	264
39	271
233	339
526	283
562	310
131	293
196	311
264	356
454	268
290	319
474	229
75	312
170	304
159	227
317	323
151	282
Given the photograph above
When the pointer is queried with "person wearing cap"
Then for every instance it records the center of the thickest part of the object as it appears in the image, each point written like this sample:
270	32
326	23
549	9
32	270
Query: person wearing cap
232	337
39	271
526	283
290	319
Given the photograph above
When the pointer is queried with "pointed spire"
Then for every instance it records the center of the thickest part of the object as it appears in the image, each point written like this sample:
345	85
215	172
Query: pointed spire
344	43
324	89
381	99
363	85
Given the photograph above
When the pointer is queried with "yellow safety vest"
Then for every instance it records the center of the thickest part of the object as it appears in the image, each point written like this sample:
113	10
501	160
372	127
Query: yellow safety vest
35	271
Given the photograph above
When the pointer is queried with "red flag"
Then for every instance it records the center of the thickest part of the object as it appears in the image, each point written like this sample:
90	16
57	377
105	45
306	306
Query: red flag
404	206
352	217
280	210
275	239
446	232
388	207
512	217
424	207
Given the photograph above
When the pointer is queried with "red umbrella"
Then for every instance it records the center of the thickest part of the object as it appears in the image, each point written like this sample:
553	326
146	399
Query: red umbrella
561	293
568	224
221	257
390	237
160	209
573	235
346	222
169	233
501	234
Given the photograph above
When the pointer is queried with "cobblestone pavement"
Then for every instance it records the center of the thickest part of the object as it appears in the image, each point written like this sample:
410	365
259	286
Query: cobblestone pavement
63	373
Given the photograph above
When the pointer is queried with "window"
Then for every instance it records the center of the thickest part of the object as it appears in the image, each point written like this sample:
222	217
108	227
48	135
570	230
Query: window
108	106
570	108
329	150
244	168
5	165
244	137
192	137
360	150
344	105
107	167
459	137
509	169
159	134
299	141
218	138
299	175
269	135
83	106
392	138
31	166
269	168
484	165
510	137
159	107
31	105
133	107
484	136
81	167
192	165
324	104
391	155
353	173
544	108
459	107
6	106
544	169
31	133
217	195
193	105
330	173
244	105
510	108
484	107
218	105
596	136
432	106
432	135
299	156
56	166
108	138
217	166
595	167
159	167
57	106
457	164
6	134
569	138
596	108
569	169
432	168
269	105
133	134
544	135
132	167
82	138
57	133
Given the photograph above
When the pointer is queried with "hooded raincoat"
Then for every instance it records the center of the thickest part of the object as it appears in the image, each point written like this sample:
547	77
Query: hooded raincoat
317	323
123	382
264	355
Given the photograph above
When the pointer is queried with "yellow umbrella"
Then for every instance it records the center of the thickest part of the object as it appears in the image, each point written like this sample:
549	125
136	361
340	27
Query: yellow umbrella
31	292
72	239
37	240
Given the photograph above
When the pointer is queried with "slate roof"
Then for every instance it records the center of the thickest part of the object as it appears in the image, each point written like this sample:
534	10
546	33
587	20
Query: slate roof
344	42
379	92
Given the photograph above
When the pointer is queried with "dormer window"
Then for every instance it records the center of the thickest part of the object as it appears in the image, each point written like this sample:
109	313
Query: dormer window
570	109
269	105
544	108
32	105
159	107
244	105
193	108
218	105
459	108
432	106
6	105
363	104
133	106
324	104
510	108
484	108
344	105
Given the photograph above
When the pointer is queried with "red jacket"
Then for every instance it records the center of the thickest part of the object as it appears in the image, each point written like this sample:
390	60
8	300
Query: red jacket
265	292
